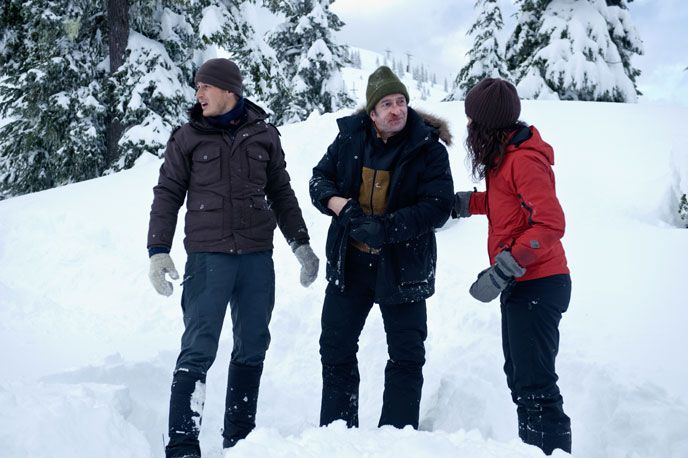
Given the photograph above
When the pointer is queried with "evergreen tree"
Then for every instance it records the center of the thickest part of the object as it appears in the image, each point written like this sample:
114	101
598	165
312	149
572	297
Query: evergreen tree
683	209
305	46
485	59
524	40
52	94
224	23
625	36
576	59
152	88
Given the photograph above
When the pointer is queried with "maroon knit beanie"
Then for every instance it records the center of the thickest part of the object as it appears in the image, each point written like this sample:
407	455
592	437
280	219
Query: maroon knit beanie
222	73
493	103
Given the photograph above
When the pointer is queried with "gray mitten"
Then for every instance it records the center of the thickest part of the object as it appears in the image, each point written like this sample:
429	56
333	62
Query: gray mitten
308	260
461	202
161	264
493	280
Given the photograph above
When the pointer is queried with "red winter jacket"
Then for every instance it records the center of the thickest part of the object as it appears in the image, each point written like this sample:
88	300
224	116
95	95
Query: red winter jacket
522	208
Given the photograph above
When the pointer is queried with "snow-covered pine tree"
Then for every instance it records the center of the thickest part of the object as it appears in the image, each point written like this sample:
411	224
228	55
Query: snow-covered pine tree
313	61
152	89
625	36
525	39
485	58
52	95
357	59
12	34
577	59
683	209
227	24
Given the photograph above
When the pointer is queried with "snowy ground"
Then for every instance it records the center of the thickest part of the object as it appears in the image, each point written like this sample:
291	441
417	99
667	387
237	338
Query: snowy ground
88	346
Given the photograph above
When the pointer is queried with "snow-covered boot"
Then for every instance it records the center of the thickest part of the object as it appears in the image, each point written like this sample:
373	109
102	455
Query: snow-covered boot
186	410
243	383
546	427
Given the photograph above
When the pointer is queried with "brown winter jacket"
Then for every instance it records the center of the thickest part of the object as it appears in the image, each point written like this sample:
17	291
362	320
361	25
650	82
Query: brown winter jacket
236	191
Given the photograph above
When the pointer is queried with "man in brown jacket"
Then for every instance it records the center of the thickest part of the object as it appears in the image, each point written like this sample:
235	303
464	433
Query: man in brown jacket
229	164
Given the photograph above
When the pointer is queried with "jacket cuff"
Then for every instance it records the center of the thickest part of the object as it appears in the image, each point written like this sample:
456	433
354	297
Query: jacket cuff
157	249
294	244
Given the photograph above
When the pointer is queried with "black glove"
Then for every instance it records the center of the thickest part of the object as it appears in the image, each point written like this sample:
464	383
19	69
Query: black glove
350	211
461	201
369	230
493	280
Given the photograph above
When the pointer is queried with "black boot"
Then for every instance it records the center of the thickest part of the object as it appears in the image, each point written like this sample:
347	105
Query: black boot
186	410
243	383
340	394
545	425
401	398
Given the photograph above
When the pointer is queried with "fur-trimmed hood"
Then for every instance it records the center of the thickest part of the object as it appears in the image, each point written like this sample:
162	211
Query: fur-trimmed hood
431	120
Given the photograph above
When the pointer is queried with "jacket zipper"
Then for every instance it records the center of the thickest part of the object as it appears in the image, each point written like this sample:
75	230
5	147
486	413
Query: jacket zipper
528	209
372	192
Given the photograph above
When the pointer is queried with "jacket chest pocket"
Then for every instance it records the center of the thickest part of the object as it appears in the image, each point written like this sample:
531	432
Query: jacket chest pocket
257	165
206	166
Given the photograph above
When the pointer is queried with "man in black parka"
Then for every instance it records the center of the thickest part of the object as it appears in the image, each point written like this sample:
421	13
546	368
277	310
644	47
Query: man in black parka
386	183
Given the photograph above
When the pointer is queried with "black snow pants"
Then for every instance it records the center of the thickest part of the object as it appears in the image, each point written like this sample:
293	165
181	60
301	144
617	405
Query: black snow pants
212	281
343	317
531	311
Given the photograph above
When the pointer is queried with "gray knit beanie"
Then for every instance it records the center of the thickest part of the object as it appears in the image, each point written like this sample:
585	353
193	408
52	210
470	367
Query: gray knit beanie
381	83
493	103
222	73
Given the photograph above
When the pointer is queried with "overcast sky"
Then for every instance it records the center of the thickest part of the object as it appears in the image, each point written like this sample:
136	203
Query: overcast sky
435	32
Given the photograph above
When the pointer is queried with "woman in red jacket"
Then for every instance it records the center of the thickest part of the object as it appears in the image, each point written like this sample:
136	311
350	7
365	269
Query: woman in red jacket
528	264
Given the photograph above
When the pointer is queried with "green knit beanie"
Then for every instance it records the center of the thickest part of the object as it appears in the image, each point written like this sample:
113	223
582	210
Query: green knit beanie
381	83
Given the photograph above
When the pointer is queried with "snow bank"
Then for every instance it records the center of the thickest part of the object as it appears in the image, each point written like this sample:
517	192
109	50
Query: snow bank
89	346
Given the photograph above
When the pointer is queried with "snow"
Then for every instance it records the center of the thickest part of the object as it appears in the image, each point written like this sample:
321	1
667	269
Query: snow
163	77
89	347
212	21
580	56
357	79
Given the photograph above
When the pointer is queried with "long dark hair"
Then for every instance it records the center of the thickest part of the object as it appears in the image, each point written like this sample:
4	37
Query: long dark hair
487	147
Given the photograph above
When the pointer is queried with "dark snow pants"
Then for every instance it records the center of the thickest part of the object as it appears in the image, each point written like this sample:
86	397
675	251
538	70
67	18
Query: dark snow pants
343	317
211	281
531	311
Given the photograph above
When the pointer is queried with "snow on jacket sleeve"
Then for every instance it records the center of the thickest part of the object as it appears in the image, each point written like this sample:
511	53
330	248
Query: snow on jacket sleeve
168	195
535	188
435	199
281	195
322	184
478	203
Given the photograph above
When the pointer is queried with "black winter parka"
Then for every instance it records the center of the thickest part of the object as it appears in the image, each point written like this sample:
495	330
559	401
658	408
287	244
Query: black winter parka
420	200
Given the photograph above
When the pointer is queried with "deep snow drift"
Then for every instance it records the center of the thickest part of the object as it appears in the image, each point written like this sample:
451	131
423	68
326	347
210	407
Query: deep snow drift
88	346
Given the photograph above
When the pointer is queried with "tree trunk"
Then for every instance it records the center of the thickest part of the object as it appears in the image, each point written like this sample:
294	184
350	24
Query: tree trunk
118	34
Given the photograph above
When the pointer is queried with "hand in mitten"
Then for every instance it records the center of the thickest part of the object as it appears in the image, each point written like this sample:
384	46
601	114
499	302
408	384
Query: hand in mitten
161	264
308	260
493	280
369	230
461	204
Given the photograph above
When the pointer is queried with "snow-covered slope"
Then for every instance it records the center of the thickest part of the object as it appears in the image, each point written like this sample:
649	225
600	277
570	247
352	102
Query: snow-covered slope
356	79
88	346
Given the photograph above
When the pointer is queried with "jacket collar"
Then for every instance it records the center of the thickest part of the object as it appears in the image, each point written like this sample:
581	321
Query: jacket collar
254	113
529	138
421	126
